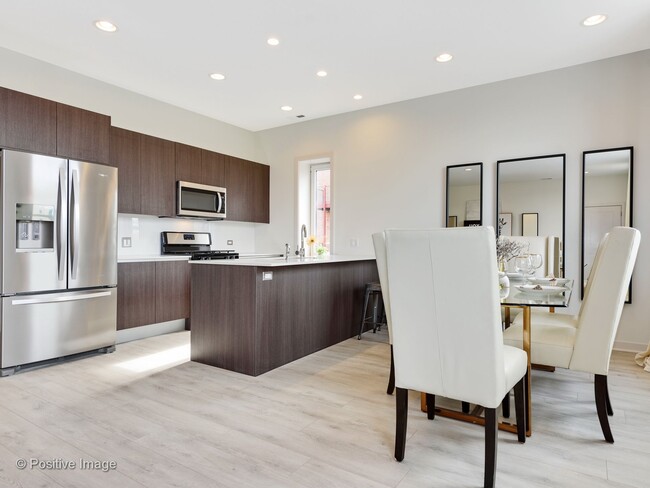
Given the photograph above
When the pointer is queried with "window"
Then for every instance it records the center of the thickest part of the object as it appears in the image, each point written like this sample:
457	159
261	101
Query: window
321	203
314	202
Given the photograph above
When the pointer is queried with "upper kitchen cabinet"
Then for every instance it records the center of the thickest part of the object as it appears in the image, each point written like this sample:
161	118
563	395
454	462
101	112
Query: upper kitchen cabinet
125	155
188	163
82	135
247	184
27	123
213	168
158	166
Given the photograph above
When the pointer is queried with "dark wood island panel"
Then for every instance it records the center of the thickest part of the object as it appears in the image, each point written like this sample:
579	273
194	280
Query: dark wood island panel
246	324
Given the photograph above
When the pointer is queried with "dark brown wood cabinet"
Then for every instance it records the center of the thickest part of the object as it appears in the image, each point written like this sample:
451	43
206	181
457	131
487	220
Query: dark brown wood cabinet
82	134
158	166
248	190
245	323
136	294
27	122
125	156
172	290
213	166
152	292
188	163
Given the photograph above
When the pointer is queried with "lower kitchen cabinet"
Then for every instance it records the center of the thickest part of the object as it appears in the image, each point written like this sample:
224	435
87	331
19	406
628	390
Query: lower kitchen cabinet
152	292
172	290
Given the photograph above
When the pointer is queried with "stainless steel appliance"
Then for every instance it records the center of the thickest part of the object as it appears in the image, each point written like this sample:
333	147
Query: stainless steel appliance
59	258
200	201
195	244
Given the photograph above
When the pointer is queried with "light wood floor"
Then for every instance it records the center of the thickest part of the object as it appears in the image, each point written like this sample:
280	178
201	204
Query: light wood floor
323	421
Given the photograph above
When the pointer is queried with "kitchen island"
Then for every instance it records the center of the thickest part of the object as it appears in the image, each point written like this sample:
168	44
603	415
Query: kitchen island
254	315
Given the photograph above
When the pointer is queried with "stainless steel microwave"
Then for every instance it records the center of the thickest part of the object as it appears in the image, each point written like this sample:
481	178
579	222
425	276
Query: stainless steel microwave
200	201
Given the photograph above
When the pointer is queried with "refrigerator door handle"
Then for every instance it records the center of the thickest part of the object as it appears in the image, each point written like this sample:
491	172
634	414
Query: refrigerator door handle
74	228
86	296
59	226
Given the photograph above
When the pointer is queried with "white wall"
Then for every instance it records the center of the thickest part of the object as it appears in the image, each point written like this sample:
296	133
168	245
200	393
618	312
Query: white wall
389	162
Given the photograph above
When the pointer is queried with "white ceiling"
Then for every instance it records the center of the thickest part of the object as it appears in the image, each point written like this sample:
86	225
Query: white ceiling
382	49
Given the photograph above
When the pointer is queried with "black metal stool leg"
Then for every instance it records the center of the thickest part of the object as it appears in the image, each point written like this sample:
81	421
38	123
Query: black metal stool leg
364	310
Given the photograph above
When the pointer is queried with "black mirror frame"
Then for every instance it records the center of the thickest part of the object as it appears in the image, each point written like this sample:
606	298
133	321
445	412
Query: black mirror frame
480	166
548	156
582	212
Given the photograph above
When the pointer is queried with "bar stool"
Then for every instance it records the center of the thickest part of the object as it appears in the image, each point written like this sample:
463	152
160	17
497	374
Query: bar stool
375	319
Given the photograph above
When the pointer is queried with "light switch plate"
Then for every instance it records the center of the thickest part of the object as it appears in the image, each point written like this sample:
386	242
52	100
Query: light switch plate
126	242
267	275
229	242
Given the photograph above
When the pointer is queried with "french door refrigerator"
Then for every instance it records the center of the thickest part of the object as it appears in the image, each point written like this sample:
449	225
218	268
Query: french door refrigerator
59	258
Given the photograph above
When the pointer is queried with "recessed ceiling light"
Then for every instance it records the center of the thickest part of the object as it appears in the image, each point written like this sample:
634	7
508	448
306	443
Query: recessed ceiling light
321	73
106	26
287	108
468	169
272	41
594	20
217	76
444	57
358	97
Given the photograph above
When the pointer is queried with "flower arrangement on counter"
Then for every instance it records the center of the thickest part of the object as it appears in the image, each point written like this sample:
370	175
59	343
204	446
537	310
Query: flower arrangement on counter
320	249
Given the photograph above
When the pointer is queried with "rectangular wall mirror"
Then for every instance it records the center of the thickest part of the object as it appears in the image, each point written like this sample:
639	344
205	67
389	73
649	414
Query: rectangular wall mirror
464	195
606	200
530	207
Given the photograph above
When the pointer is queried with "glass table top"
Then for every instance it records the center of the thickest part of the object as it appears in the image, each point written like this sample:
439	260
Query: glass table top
535	298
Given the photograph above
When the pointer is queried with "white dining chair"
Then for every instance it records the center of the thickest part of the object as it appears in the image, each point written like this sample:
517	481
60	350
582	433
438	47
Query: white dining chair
447	338
379	242
585	342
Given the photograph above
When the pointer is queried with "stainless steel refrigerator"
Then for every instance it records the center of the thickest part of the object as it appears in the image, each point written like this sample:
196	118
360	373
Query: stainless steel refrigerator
59	258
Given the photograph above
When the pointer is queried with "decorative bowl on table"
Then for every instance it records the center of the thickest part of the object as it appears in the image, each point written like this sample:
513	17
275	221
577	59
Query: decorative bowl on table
548	281
541	289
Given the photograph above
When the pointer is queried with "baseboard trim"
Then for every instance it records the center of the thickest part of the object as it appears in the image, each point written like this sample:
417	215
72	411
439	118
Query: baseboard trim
630	346
135	333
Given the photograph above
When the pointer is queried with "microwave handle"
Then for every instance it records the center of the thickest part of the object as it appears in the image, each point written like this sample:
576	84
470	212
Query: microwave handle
220	202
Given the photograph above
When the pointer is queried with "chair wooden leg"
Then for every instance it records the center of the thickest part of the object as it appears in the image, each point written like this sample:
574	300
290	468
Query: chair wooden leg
491	437
520	410
464	407
431	406
610	412
600	389
391	375
505	406
401	402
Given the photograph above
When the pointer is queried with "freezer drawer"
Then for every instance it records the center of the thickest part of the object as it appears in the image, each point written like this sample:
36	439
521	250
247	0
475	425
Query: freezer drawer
47	326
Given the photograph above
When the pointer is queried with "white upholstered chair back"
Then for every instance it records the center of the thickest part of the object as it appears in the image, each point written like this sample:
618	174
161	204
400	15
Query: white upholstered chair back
379	241
444	301
604	299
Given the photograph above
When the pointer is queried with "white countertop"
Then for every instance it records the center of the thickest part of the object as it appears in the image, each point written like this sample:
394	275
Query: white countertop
142	259
277	262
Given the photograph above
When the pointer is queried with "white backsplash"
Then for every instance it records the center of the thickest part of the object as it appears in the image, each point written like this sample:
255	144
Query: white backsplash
144	231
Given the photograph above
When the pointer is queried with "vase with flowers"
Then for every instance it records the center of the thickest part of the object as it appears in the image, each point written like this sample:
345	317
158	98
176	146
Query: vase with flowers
506	250
311	240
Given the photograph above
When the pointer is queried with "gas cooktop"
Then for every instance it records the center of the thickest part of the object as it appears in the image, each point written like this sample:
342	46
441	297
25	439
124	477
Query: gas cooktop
193	244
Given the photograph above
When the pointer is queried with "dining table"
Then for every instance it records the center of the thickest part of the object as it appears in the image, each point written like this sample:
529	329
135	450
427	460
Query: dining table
521	294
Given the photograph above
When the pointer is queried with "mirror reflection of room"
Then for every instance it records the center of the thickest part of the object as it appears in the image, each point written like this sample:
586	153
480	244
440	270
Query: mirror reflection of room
464	195
530	208
607	197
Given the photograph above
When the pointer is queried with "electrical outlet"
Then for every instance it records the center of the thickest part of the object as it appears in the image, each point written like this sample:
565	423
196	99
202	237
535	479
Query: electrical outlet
126	242
229	242
267	275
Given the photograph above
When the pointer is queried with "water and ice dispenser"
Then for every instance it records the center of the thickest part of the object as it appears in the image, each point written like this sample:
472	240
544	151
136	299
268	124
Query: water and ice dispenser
34	227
